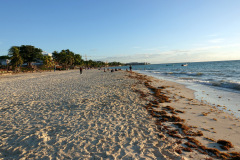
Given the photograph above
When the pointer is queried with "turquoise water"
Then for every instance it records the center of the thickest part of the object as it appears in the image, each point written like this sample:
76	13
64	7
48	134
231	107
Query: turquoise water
217	83
223	74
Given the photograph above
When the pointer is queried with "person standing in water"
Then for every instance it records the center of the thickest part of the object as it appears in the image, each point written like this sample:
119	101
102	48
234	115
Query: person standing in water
80	70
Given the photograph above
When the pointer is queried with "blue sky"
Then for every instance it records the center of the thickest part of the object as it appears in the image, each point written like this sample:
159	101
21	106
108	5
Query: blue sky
155	31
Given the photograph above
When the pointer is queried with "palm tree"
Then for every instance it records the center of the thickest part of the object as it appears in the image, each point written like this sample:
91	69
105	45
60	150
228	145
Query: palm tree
47	61
78	59
28	53
16	59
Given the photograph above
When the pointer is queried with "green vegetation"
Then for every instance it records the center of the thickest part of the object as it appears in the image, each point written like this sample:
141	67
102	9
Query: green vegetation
114	64
66	59
48	62
4	57
28	53
16	59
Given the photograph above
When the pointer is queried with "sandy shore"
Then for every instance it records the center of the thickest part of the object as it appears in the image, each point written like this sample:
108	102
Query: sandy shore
103	115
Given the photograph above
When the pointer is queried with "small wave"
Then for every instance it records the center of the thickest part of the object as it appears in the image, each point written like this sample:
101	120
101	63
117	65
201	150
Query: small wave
187	78
199	74
156	72
195	74
231	85
174	73
178	74
222	84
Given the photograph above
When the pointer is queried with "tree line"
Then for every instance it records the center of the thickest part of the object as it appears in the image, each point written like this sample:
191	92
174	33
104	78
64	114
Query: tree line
65	58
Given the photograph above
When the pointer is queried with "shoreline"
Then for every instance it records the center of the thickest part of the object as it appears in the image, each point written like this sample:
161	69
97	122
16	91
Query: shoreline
212	123
222	98
108	115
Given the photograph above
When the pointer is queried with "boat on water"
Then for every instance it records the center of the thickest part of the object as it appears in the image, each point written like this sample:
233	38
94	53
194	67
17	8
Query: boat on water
184	65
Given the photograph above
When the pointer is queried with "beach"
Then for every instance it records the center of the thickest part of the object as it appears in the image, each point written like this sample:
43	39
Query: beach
217	83
104	115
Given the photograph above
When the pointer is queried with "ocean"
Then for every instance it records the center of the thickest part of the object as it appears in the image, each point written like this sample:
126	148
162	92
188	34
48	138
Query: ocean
216	83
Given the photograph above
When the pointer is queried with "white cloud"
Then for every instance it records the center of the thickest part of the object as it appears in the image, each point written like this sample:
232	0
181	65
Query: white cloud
217	40
205	53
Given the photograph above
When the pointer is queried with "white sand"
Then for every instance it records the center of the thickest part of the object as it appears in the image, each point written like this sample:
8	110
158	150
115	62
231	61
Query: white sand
215	124
65	115
96	115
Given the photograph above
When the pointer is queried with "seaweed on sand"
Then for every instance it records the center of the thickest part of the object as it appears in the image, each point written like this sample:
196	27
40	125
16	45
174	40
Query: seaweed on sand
226	145
187	130
162	116
190	145
157	93
187	149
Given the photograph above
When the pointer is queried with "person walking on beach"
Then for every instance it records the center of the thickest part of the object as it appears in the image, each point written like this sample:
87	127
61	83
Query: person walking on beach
80	70
130	68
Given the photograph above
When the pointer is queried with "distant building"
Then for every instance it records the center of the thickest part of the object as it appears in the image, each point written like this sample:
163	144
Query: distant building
47	54
4	62
38	62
